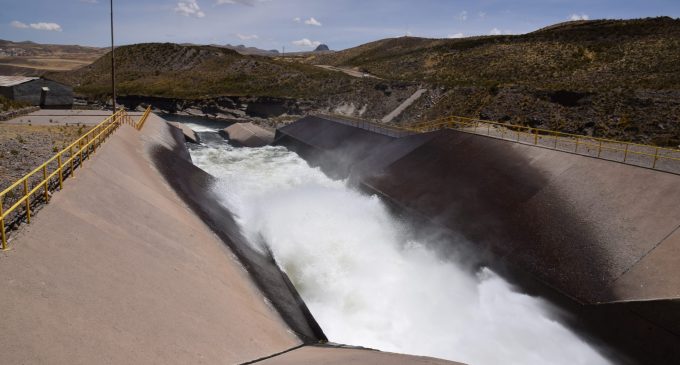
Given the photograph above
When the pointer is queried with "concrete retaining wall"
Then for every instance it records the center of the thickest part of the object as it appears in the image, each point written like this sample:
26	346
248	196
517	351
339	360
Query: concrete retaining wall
595	231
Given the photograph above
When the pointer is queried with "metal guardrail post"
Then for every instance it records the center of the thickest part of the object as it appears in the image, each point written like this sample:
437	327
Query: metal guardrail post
28	201
576	149
80	152
625	153
72	161
656	157
599	149
47	193
2	226
61	172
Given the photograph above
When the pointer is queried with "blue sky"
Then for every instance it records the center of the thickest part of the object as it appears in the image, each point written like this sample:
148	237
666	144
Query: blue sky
297	24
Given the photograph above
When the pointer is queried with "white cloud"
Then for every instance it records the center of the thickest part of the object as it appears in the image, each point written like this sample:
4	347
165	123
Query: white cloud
579	17
18	24
247	37
482	14
241	2
456	35
304	42
189	8
495	31
89	1
297	20
462	16
312	21
52	27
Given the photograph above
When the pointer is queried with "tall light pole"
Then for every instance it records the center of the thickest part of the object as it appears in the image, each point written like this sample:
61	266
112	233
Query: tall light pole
113	66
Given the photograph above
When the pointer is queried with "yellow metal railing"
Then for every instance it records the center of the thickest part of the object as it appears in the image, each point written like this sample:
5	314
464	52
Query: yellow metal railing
142	120
626	152
369	125
36	185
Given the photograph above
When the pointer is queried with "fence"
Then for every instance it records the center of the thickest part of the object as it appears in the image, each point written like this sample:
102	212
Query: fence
659	158
35	188
142	120
388	130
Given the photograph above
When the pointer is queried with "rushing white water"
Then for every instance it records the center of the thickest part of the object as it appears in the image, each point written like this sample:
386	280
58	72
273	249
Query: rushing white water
365	284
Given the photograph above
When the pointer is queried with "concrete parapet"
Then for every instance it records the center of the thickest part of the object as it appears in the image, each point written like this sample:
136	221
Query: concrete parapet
189	134
247	135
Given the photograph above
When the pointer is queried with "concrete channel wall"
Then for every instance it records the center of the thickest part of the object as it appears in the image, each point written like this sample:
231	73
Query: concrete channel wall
132	264
596	232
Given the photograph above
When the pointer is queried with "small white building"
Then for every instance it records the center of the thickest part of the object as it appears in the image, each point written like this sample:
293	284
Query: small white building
36	91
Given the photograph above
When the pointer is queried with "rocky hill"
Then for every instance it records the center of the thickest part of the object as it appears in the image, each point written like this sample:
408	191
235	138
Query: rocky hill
610	78
207	73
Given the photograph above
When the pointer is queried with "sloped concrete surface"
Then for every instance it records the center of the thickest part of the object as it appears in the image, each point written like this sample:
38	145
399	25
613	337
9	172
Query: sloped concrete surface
117	270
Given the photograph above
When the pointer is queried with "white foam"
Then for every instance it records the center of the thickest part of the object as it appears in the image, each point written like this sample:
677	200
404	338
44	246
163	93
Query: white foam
198	128
366	284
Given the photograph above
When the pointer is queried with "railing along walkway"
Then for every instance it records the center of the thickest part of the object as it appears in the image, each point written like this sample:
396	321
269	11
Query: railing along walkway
657	158
654	157
19	201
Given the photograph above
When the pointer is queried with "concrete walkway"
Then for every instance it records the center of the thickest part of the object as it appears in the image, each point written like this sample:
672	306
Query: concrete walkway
407	103
348	71
63	117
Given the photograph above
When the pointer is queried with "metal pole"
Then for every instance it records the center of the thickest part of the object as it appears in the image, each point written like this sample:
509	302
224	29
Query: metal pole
2	226
28	202
113	66
61	173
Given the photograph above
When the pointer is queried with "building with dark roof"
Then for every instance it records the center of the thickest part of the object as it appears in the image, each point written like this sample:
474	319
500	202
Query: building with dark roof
36	91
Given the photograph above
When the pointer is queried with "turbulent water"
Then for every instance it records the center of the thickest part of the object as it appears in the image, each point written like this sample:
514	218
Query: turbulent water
366	284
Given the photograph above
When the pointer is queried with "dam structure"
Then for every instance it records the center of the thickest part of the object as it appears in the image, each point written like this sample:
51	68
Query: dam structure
330	241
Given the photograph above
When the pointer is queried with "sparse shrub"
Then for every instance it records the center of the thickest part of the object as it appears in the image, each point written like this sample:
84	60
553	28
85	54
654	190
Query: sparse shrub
14	152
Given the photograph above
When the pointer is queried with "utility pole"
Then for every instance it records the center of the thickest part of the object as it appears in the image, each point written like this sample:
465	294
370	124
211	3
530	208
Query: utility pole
284	51
113	66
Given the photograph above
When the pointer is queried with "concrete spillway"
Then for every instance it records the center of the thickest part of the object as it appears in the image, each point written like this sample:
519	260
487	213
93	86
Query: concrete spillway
594	231
130	264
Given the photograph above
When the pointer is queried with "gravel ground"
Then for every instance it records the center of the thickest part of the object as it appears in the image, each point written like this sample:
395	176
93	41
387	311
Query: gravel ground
24	147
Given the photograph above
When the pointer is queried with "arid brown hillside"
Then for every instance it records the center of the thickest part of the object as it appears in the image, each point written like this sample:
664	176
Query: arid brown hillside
28	58
189	71
204	73
610	78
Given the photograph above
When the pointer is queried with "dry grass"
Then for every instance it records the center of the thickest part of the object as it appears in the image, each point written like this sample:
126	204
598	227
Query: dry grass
24	147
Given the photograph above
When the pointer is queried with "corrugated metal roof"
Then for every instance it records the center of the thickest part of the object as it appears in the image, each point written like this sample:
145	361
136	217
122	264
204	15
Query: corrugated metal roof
7	81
